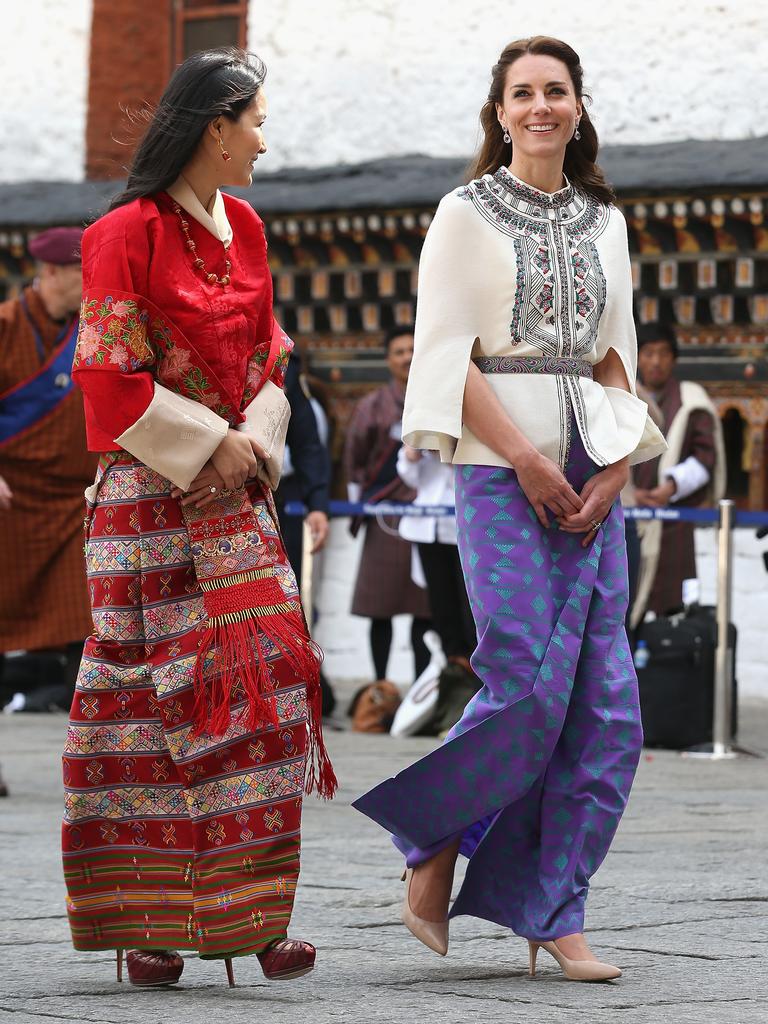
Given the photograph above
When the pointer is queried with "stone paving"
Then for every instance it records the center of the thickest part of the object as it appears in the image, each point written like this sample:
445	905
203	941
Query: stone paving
681	904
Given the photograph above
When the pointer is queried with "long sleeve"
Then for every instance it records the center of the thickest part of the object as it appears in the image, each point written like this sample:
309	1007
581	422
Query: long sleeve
361	440
689	476
452	286
617	331
698	457
115	360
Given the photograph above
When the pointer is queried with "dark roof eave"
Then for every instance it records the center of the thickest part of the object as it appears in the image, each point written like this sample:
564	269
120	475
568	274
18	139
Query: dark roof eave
693	167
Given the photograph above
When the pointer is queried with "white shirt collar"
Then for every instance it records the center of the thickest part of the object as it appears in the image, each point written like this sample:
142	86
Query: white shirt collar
216	221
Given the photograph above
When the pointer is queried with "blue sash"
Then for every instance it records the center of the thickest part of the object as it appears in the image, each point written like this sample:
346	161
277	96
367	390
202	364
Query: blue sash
27	403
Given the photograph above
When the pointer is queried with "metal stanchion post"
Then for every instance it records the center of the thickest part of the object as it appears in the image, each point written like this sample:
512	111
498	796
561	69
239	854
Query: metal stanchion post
722	738
722	717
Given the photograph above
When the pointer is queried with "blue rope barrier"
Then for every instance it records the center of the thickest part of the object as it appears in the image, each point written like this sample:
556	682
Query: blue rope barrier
390	508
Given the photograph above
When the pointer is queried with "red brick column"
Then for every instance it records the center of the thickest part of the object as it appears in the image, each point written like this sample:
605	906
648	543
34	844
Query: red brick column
130	63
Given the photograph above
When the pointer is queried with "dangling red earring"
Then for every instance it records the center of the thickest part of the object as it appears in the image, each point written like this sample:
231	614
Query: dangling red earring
224	154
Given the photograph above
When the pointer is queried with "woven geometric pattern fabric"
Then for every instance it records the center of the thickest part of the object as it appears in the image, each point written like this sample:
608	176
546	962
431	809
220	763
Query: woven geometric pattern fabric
127	737
536	774
561	286
172	840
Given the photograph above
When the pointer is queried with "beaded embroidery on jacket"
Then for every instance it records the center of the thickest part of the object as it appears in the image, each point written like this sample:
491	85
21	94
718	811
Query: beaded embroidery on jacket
560	294
560	283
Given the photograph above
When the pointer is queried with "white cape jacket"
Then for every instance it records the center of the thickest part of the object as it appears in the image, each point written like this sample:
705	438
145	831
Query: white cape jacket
507	270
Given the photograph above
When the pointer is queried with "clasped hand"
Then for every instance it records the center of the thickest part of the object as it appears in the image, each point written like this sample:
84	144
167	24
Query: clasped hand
657	497
598	494
234	461
546	487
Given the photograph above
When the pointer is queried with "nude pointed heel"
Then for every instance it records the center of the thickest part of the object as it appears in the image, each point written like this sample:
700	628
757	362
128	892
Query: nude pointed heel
533	951
230	972
119	963
434	934
574	970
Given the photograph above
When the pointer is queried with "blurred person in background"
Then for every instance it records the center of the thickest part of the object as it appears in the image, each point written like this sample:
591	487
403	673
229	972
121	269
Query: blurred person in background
690	474
306	478
306	475
44	469
384	586
630	525
437	565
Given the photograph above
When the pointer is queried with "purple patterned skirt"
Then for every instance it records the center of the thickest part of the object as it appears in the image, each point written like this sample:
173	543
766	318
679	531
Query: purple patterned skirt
536	775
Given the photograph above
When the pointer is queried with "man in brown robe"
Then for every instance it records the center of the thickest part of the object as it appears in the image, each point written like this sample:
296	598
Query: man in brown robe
44	469
689	474
384	586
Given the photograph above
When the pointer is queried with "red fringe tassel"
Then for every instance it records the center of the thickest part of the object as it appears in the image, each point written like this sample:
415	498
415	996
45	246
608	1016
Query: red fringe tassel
238	656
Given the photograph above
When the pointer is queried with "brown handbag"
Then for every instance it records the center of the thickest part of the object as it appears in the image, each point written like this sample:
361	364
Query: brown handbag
373	707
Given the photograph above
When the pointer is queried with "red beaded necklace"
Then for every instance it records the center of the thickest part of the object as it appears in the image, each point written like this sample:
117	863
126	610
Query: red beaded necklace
197	262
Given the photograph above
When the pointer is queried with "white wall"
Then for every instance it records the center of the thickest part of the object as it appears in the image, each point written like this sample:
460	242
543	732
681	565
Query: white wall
749	602
344	637
350	80
44	89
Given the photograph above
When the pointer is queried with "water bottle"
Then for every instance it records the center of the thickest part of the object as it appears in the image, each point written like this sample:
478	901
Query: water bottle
642	654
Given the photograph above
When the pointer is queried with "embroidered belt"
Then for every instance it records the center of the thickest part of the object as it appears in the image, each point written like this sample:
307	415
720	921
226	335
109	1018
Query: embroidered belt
560	365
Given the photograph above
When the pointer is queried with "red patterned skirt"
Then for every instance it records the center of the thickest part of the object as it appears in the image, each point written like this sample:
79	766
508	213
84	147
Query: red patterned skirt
170	839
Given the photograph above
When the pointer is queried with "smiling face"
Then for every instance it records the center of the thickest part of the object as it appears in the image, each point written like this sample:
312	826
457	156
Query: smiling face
242	139
540	109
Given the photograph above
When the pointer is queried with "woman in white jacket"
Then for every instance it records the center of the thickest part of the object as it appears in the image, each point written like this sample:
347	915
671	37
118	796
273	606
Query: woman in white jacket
523	377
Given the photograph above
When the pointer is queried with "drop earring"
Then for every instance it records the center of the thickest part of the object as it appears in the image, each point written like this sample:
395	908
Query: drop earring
224	154
577	133
507	136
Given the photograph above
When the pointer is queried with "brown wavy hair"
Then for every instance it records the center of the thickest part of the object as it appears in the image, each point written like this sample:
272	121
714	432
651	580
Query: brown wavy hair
580	165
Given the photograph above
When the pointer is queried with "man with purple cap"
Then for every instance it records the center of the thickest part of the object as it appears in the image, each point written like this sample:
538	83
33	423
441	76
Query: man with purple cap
44	468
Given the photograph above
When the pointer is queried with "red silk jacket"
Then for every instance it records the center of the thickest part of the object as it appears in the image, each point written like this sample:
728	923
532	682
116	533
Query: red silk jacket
149	315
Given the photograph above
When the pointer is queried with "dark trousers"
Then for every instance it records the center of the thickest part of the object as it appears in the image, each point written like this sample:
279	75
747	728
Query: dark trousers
291	527
381	644
451	613
46	677
633	569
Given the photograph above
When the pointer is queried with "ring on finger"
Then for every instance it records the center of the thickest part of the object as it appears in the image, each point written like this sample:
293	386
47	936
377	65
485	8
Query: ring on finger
213	489
596	524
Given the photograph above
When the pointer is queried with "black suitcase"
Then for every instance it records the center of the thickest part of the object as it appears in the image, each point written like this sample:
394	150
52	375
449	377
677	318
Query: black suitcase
677	685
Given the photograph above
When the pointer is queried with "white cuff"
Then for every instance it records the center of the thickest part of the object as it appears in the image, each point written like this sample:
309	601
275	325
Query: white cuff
266	420
689	476
407	471
174	436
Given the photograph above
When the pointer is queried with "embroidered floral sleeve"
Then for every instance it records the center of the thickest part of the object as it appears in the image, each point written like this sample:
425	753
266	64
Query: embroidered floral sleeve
113	332
257	362
129	334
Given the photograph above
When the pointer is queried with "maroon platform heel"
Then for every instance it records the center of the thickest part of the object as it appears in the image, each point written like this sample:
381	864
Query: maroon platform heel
150	968
283	960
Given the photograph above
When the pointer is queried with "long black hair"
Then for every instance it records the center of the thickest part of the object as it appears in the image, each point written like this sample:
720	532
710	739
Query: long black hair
209	84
